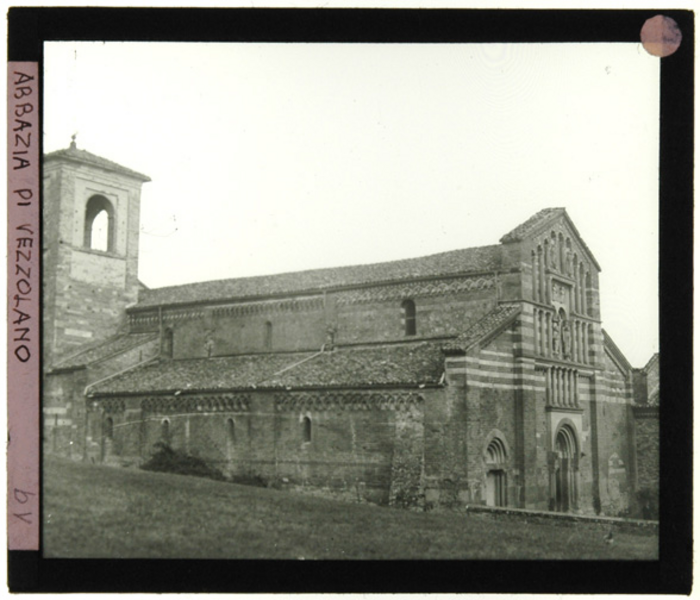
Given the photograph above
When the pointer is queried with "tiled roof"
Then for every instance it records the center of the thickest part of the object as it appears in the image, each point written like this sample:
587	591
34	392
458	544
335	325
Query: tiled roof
83	156
484	258
652	362
101	350
405	364
611	347
532	224
488	325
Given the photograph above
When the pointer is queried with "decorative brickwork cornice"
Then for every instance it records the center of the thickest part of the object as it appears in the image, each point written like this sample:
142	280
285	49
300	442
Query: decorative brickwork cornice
213	403
646	412
351	401
113	405
246	309
278	306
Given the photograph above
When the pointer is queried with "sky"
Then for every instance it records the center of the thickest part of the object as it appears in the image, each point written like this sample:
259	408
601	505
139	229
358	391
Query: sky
269	158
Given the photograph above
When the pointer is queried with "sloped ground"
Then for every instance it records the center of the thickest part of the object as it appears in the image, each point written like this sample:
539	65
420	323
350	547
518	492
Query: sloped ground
109	512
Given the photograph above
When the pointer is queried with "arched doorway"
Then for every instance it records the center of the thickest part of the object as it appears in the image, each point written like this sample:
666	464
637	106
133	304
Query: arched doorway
566	470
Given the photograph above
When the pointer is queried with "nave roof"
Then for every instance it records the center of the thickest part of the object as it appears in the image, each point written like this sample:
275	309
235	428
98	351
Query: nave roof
455	262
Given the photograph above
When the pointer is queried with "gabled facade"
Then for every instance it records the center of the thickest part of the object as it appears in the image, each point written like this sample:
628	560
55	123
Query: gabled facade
479	376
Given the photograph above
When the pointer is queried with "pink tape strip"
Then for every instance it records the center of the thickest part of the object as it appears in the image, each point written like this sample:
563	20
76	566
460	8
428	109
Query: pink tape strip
23	300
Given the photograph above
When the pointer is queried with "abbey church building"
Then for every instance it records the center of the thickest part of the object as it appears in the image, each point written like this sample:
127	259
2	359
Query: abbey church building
476	376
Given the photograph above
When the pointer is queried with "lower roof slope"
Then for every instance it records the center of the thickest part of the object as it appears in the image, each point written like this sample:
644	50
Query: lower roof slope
103	349
489	325
400	365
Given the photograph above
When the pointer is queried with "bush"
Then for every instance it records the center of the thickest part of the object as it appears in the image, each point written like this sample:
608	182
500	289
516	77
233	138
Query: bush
167	460
648	502
254	480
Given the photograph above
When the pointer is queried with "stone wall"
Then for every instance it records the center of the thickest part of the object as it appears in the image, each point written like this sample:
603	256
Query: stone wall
615	440
361	446
63	412
647	447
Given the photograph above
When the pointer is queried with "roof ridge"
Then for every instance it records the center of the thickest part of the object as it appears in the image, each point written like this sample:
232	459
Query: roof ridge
320	269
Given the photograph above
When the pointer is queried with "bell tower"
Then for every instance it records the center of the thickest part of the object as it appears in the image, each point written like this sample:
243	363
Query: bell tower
90	243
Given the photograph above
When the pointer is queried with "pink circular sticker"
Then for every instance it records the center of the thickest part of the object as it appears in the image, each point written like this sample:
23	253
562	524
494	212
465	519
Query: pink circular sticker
661	36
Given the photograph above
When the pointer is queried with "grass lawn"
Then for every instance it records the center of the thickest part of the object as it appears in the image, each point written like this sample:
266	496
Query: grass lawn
95	511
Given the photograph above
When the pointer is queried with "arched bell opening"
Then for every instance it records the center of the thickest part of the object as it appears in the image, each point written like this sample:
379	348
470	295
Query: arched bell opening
99	226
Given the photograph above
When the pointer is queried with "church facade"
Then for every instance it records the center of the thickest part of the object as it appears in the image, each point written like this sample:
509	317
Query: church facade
478	376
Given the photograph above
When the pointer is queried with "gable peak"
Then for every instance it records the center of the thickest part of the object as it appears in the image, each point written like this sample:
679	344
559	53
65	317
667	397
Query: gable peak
539	222
533	224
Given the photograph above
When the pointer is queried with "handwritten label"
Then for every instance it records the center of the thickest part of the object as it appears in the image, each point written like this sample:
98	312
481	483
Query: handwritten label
23	301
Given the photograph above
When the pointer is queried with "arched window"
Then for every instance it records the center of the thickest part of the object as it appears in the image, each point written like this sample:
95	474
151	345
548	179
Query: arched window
306	429
99	224
168	343
108	428
496	482
409	317
107	437
230	432
165	431
268	336
496	452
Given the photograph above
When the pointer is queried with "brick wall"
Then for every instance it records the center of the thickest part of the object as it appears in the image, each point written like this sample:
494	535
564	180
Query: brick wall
615	448
367	315
370	450
85	291
647	447
64	400
63	414
647	437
